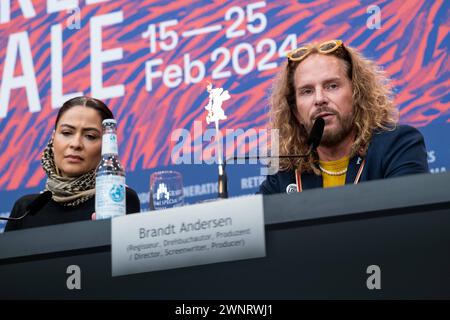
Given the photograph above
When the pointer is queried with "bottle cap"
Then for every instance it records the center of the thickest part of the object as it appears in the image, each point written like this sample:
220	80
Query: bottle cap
108	122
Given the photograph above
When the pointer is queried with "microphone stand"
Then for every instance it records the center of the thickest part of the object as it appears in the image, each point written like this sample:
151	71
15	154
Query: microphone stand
313	140
222	181
15	219
33	207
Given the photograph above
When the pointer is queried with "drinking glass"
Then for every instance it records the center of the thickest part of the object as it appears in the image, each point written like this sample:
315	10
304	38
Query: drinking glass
166	190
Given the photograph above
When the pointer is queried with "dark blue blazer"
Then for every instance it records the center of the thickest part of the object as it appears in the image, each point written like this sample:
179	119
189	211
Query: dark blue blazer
390	154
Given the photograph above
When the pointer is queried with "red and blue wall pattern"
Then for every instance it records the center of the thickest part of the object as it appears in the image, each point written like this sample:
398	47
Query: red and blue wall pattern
150	62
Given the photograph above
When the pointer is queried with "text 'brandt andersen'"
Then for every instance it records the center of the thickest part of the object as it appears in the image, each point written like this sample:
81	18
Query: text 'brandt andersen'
185	227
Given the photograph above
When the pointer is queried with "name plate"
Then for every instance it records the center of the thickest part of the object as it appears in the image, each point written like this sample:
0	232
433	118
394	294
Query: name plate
224	230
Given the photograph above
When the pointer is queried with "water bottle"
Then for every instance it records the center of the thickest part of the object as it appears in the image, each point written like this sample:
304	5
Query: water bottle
110	176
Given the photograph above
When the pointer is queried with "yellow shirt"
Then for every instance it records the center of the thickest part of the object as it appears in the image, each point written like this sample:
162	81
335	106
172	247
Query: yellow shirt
334	166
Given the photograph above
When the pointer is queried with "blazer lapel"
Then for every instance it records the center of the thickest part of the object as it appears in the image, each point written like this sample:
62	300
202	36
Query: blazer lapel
353	167
310	181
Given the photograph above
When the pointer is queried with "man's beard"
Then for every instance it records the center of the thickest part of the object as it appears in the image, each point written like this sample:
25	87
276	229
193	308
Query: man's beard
344	127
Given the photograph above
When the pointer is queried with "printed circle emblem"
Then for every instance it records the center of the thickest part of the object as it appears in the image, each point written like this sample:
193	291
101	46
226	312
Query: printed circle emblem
292	188
117	193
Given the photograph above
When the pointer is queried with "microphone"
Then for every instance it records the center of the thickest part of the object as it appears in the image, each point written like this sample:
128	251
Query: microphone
33	207
314	138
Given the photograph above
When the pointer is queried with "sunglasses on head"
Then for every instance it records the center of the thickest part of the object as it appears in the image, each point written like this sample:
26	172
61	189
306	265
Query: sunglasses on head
325	47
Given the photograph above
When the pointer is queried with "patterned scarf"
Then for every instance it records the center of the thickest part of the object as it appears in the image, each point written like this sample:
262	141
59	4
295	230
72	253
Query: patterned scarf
68	191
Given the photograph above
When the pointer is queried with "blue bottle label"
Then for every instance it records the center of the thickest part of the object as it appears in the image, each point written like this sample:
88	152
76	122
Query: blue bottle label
110	196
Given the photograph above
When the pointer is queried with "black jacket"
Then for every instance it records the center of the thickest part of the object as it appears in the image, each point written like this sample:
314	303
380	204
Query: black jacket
55	213
390	154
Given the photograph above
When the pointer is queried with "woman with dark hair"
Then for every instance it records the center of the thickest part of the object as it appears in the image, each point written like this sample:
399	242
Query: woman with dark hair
70	160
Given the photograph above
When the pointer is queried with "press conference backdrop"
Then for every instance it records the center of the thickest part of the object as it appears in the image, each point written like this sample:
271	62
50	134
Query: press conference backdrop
150	62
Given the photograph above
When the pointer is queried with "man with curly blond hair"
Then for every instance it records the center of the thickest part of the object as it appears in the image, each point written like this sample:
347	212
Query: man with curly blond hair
362	139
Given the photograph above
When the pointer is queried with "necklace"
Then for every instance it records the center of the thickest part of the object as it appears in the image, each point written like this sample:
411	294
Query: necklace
332	173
